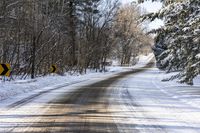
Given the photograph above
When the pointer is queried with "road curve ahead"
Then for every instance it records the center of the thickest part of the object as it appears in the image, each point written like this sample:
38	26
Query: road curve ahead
86	109
120	104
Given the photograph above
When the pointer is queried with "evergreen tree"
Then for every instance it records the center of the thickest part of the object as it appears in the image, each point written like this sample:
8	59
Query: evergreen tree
177	44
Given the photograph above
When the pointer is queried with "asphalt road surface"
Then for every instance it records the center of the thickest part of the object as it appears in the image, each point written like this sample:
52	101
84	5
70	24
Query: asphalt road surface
111	105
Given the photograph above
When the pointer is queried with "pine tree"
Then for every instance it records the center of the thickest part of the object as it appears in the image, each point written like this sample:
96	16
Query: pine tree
177	43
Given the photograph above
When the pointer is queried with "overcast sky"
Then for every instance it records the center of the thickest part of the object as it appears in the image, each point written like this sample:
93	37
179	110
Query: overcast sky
149	7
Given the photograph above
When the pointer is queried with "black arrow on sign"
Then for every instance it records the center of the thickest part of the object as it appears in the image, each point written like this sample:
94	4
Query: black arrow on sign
6	69
54	69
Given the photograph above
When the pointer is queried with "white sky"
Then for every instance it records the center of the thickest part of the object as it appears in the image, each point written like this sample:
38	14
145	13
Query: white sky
149	7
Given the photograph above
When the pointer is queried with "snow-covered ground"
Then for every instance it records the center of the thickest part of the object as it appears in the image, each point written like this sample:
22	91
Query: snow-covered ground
139	102
148	105
142	61
9	89
186	93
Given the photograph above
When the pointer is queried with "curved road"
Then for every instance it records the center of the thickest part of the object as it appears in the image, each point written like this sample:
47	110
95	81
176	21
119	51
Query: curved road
128	102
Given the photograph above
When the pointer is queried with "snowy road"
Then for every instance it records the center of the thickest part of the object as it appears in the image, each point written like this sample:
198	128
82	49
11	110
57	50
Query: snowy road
129	102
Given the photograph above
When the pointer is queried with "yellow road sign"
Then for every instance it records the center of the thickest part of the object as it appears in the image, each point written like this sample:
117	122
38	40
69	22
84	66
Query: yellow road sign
5	70
53	69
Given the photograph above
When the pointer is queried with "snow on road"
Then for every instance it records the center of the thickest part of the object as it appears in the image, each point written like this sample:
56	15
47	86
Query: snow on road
155	106
139	102
188	94
32	111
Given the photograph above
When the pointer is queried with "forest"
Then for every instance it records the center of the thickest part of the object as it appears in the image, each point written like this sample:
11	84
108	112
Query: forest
77	35
74	35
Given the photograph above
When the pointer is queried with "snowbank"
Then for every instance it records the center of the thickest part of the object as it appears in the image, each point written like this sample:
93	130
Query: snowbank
9	89
162	75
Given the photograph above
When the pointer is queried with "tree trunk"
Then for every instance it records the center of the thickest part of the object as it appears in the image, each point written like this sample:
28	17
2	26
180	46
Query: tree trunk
33	58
